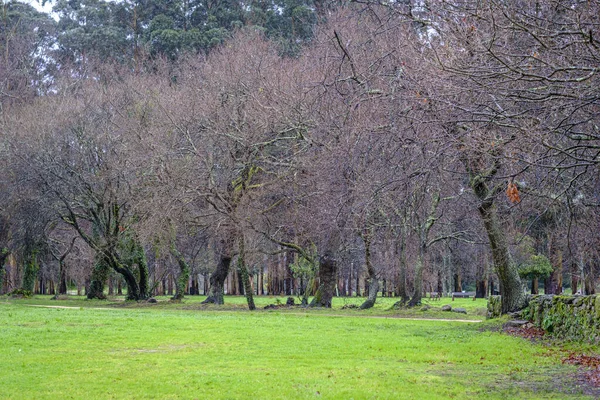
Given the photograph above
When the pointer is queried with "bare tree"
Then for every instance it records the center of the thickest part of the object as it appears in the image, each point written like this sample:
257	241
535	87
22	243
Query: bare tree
79	152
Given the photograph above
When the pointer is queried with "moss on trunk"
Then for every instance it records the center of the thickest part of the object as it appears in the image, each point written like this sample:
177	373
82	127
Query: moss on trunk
184	274
511	289
244	275
327	280
98	279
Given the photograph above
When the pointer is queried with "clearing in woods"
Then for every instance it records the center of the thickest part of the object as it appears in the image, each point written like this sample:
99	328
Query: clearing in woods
105	350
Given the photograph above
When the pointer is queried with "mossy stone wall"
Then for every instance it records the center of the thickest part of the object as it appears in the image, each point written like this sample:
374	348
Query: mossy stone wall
494	307
569	317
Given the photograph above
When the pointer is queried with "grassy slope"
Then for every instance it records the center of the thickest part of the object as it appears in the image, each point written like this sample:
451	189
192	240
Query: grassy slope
163	352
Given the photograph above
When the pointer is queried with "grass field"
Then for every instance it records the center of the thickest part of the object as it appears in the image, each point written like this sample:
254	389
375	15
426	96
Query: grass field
121	350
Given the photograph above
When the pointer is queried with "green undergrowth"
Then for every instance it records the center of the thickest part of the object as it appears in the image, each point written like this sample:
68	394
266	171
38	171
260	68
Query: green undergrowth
165	352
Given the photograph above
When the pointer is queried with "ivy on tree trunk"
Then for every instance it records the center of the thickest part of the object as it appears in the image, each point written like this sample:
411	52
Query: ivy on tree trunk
98	279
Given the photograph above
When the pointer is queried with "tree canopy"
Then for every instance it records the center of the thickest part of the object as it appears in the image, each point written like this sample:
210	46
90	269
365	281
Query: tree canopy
356	148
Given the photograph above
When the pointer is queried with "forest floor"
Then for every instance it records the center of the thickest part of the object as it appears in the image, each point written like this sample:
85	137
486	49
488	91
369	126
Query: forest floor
116	349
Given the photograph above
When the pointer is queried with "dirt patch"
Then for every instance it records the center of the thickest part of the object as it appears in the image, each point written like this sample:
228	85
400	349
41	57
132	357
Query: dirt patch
527	331
588	371
587	378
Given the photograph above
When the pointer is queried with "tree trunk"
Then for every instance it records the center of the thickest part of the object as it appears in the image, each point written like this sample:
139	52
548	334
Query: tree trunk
62	286
144	282
481	289
217	279
535	286
371	275
402	292
4	253
589	278
439	287
457	282
184	274
511	289
327	278
372	298
111	286
240	283
32	268
139	259
98	278
424	244
574	277
243	272
135	278
62	269
3	280
553	284
133	288
481	277
418	290
170	285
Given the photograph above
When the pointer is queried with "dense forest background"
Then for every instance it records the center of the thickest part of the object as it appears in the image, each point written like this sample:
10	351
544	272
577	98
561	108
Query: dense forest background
310	148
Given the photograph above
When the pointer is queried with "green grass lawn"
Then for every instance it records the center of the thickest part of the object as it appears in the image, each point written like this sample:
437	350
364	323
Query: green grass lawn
123	350
476	309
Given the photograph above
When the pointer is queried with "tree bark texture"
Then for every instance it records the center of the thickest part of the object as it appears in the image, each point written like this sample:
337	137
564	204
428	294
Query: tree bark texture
402	290
371	275
133	288
553	284
218	277
574	277
327	278
511	290
184	274
535	286
4	253
62	286
424	244
32	268
510	283
481	289
418	290
243	271
98	279
144	278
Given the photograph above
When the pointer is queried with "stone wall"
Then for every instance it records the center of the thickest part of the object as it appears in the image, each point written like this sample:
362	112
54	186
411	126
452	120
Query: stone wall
568	317
494	307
